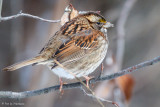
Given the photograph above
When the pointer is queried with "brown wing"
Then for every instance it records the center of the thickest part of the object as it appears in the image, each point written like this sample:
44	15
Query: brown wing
78	46
54	43
49	42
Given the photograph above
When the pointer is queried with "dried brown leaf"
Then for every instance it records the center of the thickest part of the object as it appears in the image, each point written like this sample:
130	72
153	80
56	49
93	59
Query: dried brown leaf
126	84
69	13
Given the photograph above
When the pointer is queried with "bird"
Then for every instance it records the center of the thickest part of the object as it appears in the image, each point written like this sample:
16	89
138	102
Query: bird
80	46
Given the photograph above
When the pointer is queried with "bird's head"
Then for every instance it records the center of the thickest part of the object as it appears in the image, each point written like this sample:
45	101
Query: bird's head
97	21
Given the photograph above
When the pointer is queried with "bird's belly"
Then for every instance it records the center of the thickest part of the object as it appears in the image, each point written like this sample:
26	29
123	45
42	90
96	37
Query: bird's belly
83	66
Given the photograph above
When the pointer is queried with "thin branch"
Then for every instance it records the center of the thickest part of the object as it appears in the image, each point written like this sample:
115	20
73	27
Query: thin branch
83	12
121	30
1	1
104	100
20	14
25	94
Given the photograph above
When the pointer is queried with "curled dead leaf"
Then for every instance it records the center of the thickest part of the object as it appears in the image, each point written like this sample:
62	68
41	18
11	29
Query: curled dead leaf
69	13
126	84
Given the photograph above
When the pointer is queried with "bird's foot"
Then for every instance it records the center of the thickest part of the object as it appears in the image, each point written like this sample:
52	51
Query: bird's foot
88	79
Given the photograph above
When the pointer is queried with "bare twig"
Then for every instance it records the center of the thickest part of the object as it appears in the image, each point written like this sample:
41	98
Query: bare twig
83	12
121	31
104	100
20	14
25	94
1	1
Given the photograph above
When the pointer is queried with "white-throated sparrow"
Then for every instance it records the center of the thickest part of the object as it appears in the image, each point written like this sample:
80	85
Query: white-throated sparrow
80	46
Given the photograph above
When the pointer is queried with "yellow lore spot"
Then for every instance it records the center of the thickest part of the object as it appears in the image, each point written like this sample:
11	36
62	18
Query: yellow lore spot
102	20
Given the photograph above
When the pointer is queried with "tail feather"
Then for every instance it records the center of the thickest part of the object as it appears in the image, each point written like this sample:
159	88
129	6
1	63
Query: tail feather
24	63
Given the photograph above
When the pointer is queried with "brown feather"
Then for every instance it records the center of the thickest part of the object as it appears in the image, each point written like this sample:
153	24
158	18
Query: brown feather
24	63
77	46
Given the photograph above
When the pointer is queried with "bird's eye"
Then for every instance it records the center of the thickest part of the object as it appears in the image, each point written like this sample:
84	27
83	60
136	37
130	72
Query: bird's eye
98	23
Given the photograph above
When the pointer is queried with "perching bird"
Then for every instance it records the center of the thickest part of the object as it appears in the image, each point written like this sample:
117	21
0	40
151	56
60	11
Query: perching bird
80	45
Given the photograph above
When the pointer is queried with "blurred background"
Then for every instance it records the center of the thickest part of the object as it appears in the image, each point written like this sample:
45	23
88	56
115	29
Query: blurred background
23	38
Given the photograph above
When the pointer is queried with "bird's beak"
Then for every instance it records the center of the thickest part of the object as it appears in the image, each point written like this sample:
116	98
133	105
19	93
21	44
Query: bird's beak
108	25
